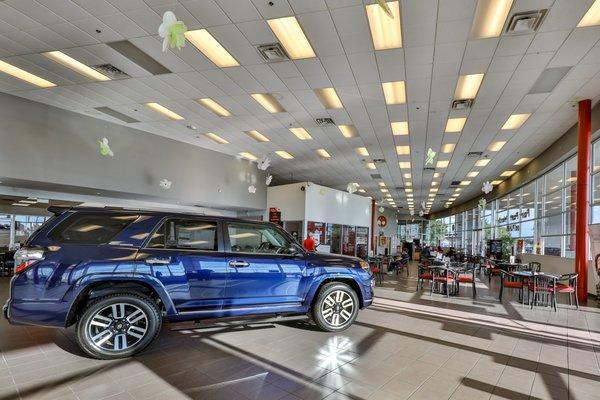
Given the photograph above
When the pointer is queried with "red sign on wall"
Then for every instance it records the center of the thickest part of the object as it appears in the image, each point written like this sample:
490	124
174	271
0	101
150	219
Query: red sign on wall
275	216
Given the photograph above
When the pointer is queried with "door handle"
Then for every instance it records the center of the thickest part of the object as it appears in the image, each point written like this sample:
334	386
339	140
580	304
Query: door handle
158	260
238	264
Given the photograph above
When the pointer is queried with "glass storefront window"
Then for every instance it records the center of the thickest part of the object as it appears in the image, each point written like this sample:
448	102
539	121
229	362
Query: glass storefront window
552	245
554	180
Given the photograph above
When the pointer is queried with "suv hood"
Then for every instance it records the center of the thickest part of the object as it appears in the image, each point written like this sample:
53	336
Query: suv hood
334	260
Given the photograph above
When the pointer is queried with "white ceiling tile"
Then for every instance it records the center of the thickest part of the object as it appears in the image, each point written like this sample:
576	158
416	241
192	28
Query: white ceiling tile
239	10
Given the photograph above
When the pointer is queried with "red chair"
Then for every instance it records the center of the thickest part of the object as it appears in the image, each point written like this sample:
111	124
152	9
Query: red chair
424	274
445	276
468	276
570	287
510	281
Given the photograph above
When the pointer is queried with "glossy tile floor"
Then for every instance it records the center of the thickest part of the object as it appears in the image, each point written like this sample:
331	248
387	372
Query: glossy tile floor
408	345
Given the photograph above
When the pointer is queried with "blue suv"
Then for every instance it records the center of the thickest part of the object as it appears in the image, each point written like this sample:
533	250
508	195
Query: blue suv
116	273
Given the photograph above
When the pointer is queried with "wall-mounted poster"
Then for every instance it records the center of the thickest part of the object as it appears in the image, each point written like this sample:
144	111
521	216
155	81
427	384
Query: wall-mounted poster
362	241
318	231
275	216
349	240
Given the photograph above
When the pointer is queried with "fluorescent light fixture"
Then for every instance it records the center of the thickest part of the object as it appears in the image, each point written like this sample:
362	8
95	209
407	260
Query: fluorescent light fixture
164	111
268	102
448	148
496	146
384	190
213	106
385	31
329	98
407	175
483	162
434	183
465	183
292	38
20	204
442	164
370	165
400	128
381	184
408	183
348	131
404	164
284	154
24	75
457	189
248	155
515	121
455	124
508	173
408	190
362	151
212	49
437	174
256	135
71	63
496	182
323	153
467	86
301	133
394	92
472	174
522	161
592	16
490	16
403	150
216	138
433	190
362	191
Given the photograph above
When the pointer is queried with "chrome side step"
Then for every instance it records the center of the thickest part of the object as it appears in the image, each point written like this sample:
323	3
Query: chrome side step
235	321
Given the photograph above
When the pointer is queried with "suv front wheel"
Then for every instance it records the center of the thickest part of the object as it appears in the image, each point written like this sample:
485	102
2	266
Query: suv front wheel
336	307
118	325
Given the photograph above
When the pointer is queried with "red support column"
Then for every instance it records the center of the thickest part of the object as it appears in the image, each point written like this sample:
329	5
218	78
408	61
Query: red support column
373	225
584	135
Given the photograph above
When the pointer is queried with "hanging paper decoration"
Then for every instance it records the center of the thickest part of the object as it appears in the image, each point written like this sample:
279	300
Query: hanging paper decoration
482	203
423	205
252	189
105	148
385	8
269	179
381	209
263	163
172	31
352	187
430	156
165	183
412	212
487	187
322	191
421	213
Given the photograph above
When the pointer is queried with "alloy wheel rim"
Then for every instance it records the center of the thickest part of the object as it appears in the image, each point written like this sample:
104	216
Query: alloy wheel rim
117	327
337	308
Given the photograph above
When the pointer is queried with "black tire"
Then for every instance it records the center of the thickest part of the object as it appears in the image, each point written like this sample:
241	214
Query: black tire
94	316
324	318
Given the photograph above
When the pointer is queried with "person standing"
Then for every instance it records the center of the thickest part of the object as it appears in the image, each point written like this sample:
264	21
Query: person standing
309	243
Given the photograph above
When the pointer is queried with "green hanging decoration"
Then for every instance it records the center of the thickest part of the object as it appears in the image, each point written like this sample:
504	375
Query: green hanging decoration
385	8
430	156
482	203
105	148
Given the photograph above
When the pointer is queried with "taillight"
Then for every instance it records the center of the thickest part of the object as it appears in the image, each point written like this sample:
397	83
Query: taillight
25	257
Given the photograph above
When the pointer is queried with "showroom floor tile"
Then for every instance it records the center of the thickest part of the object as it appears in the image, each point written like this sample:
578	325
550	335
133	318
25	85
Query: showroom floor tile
408	345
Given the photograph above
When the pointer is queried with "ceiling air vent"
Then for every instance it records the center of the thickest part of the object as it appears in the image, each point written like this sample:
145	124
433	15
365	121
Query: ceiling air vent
379	160
324	121
475	154
111	71
454	183
376	176
432	169
273	52
399	187
525	22
462	104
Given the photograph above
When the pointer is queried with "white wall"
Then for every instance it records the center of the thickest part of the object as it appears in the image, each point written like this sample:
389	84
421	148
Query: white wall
290	199
324	204
561	265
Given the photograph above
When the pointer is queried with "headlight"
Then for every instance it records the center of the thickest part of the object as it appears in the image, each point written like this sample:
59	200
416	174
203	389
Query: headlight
364	265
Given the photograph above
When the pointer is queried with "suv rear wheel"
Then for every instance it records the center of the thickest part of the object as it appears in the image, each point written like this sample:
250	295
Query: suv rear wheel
336	307
118	325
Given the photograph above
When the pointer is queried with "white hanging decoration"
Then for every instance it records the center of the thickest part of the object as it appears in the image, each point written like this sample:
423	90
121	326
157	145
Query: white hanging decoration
269	179
352	187
423	205
430	156
421	213
105	148
487	187
381	209
165	184
172	31
263	163
412	212
252	189
322	191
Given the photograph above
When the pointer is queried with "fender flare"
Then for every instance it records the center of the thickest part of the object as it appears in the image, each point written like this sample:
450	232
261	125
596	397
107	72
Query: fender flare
85	281
319	280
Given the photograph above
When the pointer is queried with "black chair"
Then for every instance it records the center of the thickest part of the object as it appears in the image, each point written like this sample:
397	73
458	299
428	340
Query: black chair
535	266
543	288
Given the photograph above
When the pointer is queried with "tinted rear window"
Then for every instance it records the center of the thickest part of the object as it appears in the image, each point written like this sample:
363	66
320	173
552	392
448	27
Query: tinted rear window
88	228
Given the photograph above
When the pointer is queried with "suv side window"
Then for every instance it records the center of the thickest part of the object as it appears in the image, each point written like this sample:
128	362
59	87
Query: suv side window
90	228
249	238
187	234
